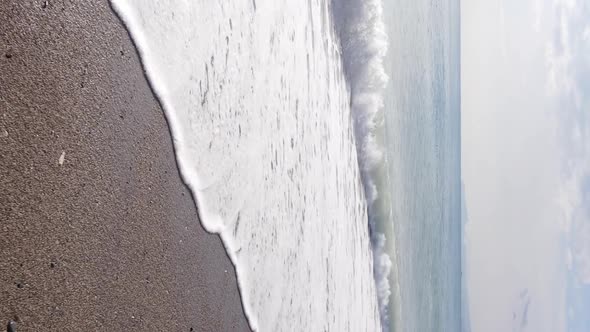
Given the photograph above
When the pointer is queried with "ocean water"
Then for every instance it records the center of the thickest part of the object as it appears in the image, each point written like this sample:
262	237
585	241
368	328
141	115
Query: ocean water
320	140
419	208
259	109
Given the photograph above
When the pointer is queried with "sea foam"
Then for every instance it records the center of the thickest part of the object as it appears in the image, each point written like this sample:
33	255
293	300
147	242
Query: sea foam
260	113
364	43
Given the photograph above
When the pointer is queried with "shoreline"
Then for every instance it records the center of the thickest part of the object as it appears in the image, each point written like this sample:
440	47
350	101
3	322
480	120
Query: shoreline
99	231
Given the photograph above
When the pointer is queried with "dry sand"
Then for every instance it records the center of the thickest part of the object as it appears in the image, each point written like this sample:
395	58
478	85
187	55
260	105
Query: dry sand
97	231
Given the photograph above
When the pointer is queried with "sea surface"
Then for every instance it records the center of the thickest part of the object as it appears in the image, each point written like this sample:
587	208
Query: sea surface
320	140
420	209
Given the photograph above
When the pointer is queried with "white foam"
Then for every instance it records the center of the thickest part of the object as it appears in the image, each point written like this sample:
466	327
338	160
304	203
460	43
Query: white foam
259	111
364	43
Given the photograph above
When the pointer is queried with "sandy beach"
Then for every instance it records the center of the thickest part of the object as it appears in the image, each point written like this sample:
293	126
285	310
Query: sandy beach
97	230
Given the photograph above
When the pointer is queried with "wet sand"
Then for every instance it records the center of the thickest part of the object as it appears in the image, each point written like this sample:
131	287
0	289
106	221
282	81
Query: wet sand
97	230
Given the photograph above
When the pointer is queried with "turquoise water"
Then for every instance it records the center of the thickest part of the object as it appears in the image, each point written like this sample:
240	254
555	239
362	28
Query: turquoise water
419	207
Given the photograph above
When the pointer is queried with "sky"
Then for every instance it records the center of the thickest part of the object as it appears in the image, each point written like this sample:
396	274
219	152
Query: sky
526	163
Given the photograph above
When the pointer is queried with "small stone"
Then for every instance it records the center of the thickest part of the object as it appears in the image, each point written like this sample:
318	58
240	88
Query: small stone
11	327
52	265
62	158
45	4
4	133
8	55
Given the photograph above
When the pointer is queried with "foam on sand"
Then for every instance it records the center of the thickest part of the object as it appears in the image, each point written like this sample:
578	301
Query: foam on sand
259	109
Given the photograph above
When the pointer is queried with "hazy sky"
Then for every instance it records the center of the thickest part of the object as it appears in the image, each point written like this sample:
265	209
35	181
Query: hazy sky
526	163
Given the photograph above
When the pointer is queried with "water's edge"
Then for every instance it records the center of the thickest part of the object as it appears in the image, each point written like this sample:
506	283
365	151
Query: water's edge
362	59
137	39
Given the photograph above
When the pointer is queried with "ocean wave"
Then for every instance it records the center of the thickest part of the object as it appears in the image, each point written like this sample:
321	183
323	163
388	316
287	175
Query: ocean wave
364	44
252	136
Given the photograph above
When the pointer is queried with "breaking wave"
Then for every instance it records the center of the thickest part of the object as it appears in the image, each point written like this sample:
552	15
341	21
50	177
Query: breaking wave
364	44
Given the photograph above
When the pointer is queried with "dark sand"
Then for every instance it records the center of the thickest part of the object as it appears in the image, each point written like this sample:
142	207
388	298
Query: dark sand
110	239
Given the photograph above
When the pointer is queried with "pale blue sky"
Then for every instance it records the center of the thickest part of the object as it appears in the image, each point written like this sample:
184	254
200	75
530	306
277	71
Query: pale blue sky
526	163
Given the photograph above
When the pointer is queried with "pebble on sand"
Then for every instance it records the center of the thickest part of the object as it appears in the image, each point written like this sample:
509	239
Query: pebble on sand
11	327
62	158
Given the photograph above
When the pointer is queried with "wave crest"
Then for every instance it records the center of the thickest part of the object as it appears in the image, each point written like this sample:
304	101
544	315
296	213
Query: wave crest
364	44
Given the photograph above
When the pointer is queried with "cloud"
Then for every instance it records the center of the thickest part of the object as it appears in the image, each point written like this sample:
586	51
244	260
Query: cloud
568	79
502	29
538	15
567	52
523	147
581	257
577	216
578	307
520	314
579	232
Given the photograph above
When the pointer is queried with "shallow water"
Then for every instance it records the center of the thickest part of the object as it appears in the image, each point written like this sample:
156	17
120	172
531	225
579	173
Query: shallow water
260	113
323	147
